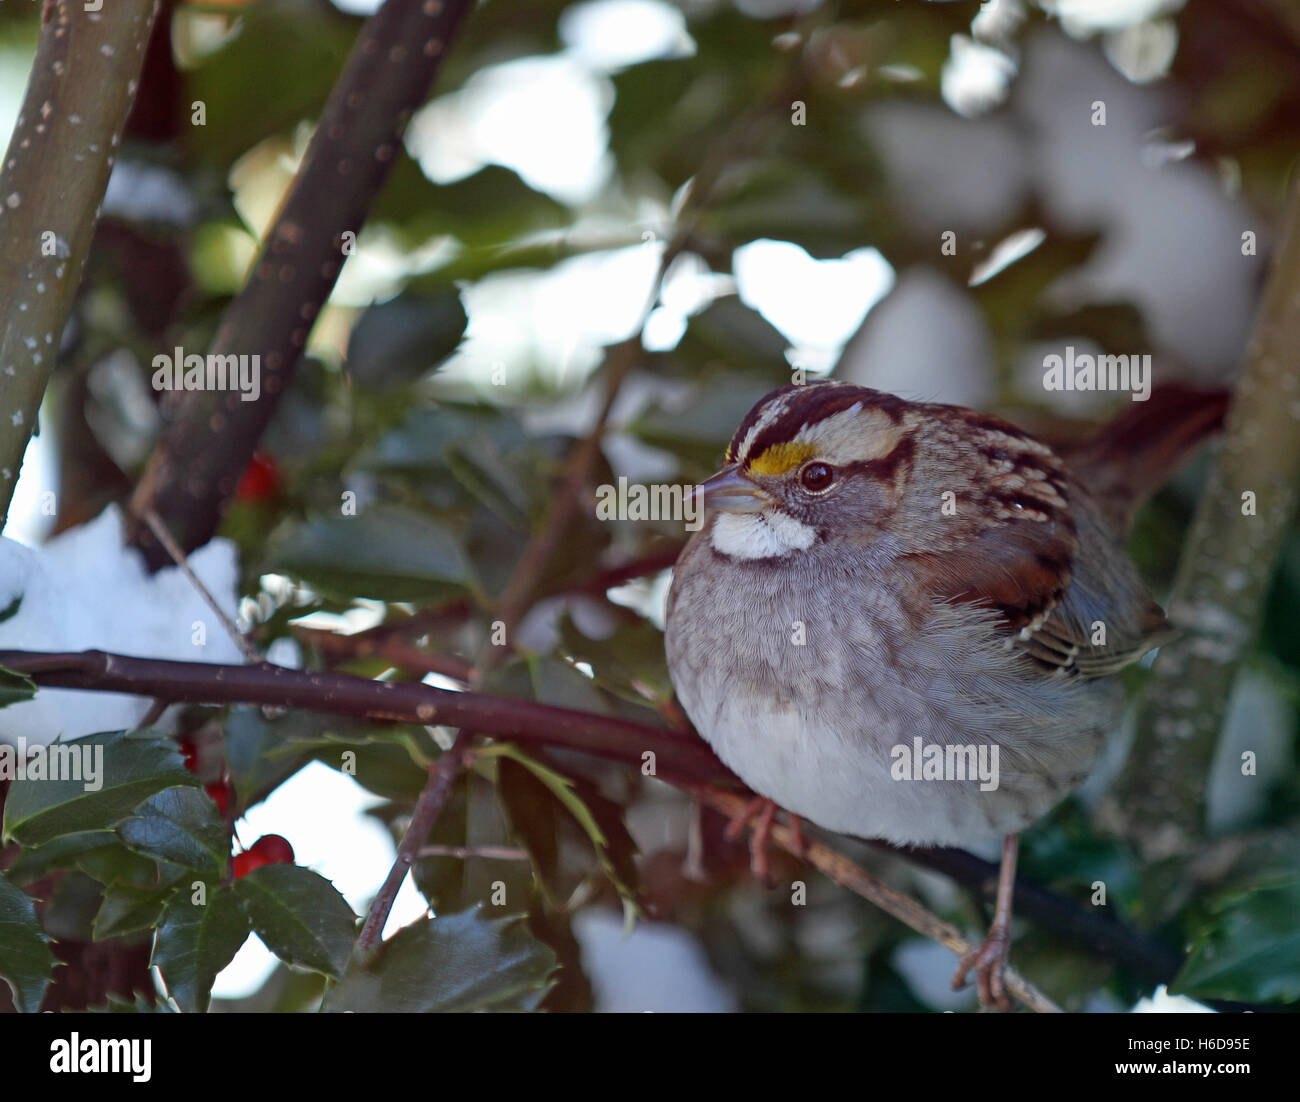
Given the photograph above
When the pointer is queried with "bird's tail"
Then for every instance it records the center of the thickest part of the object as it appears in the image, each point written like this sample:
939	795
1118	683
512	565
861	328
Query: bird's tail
1132	456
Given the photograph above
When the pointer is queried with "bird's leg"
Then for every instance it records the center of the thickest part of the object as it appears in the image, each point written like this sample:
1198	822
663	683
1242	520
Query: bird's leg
760	812
989	958
796	828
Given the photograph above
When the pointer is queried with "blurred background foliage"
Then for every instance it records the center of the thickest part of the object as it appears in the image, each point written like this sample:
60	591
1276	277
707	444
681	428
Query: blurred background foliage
807	160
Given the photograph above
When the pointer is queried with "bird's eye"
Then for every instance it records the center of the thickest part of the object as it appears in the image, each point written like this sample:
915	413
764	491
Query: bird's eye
817	477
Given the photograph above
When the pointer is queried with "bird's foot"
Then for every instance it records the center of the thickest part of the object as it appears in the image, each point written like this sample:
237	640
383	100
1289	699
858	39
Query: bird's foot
989	960
759	814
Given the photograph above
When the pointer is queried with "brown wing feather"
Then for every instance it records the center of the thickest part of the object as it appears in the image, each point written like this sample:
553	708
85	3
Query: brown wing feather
1028	572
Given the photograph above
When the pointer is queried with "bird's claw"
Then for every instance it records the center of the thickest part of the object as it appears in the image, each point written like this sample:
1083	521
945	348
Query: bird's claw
989	961
760	814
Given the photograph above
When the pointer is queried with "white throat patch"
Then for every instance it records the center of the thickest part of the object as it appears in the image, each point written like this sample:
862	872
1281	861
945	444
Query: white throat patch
766	535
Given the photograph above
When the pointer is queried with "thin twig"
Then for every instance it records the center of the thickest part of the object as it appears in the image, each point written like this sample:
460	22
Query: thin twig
375	640
159	529
619	361
464	853
400	653
442	774
541	547
904	908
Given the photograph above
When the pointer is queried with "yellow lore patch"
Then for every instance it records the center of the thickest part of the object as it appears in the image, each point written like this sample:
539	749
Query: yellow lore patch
780	458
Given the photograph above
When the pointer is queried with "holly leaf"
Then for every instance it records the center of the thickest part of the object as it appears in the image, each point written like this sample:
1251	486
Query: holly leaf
452	963
126	768
196	941
317	37
485	211
25	958
64	852
399	341
181	825
615	860
386	552
532	814
1249	949
300	916
127	909
14	687
139	1005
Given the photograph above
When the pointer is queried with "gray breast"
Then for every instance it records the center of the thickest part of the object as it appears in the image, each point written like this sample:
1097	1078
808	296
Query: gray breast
808	678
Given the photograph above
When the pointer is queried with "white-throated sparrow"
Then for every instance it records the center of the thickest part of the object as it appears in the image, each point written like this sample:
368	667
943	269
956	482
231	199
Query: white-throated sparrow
888	598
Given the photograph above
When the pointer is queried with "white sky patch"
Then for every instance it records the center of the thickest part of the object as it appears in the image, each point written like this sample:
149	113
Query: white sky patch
260	179
689	287
322	814
656	967
27	523
816	304
1005	253
1081	18
1145	51
15	65
612	34
544	117
358	7
381	264
648	596
197	35
975	77
555	322
1161	1002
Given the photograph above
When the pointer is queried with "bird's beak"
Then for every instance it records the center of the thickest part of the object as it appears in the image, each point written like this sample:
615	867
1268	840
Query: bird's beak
732	492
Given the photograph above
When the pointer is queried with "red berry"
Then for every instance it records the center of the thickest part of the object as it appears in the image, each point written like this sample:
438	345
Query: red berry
220	791
270	849
189	752
244	863
273	850
261	479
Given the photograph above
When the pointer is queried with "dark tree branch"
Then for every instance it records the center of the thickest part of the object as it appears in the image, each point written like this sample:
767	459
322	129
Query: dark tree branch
196	467
523	721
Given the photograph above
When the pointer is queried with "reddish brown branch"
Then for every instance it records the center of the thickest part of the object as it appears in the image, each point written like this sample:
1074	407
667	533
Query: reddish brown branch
541	547
523	721
442	774
336	647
